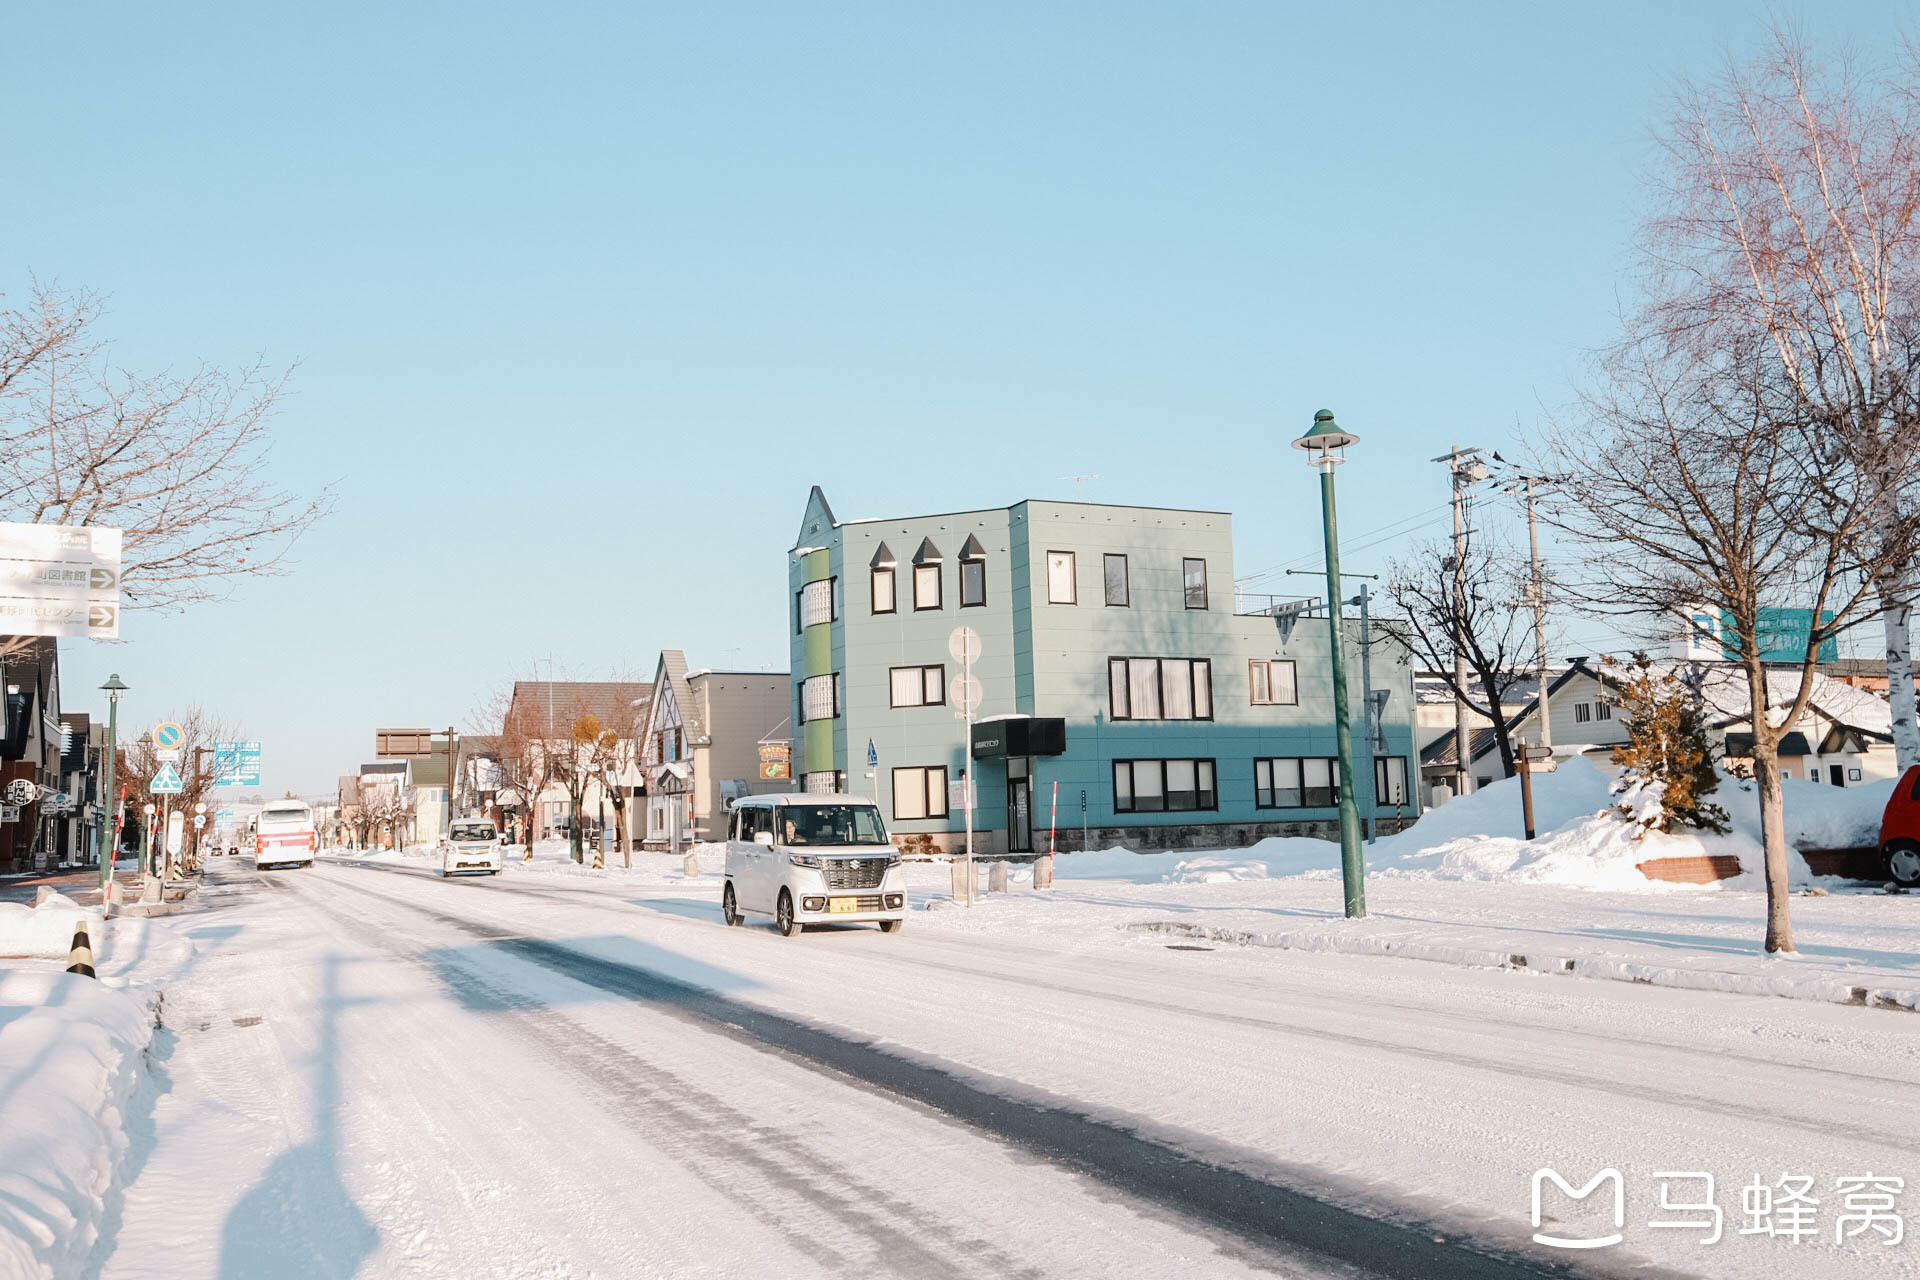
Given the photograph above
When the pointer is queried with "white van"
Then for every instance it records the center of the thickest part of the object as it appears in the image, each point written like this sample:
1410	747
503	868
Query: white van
473	845
807	859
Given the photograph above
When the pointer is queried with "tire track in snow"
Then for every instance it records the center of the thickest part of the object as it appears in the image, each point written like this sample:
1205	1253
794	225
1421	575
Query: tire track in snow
752	1163
1282	1223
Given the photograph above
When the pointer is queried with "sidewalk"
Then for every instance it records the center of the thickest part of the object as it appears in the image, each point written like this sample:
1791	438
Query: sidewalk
82	885
1859	948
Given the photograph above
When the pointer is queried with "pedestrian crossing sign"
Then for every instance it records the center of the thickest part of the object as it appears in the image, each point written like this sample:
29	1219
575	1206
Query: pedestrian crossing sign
166	782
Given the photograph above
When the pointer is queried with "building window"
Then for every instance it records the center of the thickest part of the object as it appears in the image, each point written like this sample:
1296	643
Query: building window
1118	593
883	584
1193	575
1390	780
920	792
1163	786
919	686
816	603
1292	782
1603	711
1159	689
973	583
1271	682
825	782
1061	588
820	697
1582	712
926	586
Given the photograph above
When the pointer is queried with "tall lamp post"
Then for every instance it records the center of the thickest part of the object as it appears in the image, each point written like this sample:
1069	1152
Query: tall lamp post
110	835
1325	445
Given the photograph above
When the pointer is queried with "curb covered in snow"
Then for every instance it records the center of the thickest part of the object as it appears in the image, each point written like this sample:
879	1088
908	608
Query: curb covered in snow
1823	990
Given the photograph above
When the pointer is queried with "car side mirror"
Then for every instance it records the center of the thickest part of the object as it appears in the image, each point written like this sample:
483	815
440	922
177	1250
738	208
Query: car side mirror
763	837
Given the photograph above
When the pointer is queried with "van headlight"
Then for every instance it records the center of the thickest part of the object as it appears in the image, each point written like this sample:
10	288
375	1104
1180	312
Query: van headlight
808	860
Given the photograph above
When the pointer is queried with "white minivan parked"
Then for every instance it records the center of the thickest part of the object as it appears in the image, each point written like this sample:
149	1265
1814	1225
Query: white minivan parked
472	845
812	859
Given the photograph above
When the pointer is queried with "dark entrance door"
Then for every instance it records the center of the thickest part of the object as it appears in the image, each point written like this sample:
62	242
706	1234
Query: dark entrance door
1019	815
1838	772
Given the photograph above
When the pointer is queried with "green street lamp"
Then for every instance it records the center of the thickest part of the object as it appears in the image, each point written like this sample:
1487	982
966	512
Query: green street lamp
1325	445
109	837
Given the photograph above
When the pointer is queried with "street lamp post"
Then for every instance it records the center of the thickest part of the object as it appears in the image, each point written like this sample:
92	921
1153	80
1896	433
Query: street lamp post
1325	445
110	837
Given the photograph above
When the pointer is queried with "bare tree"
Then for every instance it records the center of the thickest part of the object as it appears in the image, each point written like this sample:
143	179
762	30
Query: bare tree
139	762
1478	610
525	760
178	462
591	750
1698	479
1792	218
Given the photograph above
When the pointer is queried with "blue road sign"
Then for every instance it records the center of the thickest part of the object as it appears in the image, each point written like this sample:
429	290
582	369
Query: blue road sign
236	764
167	736
873	757
166	782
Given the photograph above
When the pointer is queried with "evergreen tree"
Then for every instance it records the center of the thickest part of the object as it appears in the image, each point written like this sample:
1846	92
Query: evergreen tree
1667	760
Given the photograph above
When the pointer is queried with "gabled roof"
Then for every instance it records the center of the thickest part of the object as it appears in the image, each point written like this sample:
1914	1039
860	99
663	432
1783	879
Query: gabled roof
928	553
671	674
972	550
882	558
610	700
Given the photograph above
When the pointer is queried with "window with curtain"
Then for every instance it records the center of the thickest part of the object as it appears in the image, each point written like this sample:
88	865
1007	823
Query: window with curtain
1061	587
918	686
1159	689
1164	786
882	590
920	792
1295	782
1271	682
926	586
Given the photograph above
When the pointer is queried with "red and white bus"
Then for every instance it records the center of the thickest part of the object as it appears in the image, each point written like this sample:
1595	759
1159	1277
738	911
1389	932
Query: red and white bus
283	835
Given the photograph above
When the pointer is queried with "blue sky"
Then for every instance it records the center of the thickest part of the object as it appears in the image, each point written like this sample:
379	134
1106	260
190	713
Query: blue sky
584	297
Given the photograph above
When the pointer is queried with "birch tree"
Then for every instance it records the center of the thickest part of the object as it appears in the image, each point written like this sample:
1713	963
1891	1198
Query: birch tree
1791	215
1696	477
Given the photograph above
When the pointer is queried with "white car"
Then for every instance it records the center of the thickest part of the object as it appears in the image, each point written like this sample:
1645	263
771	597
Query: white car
809	859
471	846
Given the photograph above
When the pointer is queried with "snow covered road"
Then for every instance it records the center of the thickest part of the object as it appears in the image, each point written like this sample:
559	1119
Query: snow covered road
375	1072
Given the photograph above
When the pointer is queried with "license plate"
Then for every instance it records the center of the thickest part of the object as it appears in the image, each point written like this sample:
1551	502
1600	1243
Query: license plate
842	906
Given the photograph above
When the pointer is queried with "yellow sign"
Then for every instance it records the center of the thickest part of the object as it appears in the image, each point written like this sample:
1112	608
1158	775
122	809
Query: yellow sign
776	760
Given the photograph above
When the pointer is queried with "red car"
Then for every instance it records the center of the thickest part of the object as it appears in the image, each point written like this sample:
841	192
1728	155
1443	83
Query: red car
1900	830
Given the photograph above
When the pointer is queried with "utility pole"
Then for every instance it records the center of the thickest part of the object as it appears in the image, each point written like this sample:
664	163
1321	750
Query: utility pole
1539	619
1464	471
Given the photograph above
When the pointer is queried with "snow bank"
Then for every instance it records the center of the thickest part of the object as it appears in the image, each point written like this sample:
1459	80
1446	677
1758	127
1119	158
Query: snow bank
70	1057
1583	843
45	931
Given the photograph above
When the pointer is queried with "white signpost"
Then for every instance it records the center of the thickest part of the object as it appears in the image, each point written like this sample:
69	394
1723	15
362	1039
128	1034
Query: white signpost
60	580
964	645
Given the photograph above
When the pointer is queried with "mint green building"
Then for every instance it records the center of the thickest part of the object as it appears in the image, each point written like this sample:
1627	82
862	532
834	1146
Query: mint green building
1115	674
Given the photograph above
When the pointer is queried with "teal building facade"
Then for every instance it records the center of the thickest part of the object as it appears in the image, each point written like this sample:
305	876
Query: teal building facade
1122	697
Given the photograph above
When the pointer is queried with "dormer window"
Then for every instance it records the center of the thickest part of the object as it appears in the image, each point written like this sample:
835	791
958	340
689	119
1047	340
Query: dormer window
883	587
973	574
926	576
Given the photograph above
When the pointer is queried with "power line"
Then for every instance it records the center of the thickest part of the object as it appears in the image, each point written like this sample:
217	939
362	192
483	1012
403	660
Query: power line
1384	533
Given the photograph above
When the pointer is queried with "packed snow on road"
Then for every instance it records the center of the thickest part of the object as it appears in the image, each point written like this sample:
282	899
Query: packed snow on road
1173	1063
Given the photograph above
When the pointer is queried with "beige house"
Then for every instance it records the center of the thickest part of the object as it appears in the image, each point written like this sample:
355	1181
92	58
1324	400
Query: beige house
700	749
549	710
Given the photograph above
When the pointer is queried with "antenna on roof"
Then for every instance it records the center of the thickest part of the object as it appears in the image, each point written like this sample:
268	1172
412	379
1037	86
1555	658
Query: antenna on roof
1079	484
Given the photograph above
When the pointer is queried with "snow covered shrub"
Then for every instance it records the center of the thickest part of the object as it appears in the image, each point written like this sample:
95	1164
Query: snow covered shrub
1667	761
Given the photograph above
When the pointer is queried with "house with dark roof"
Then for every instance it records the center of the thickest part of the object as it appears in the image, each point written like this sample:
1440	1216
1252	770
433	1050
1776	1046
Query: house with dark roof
552	708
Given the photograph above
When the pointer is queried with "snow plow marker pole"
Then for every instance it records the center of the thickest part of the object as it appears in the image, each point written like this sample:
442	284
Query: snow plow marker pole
80	954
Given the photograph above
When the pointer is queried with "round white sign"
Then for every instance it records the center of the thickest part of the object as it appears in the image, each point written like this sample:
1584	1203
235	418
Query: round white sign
967	692
964	644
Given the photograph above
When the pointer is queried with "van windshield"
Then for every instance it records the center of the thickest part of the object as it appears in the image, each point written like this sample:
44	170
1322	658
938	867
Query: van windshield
828	824
472	831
